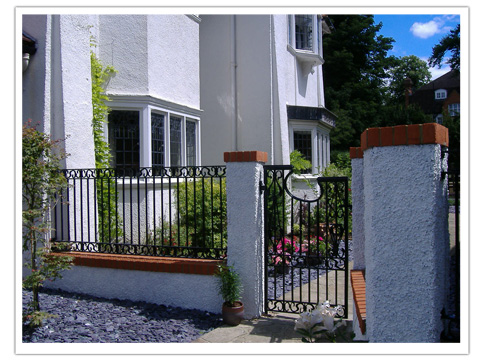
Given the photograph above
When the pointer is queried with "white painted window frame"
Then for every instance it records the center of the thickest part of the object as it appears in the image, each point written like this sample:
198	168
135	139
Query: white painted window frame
145	129
307	58
320	139
440	94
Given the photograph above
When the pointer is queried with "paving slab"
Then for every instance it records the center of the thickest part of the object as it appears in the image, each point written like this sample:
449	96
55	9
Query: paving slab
278	327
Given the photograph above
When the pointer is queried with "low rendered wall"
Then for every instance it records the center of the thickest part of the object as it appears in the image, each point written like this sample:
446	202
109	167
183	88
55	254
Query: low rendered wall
186	283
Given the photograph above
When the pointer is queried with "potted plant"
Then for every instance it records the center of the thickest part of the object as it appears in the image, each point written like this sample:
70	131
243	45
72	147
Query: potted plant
230	288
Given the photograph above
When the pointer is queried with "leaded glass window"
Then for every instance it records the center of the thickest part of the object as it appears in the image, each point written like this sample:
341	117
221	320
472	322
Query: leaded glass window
124	138
304	32
175	141
191	139
158	139
302	141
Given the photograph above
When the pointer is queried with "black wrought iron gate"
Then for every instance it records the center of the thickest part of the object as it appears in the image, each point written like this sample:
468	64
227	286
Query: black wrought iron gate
306	241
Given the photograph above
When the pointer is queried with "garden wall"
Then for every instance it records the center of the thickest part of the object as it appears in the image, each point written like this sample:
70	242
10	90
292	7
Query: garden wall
399	184
186	283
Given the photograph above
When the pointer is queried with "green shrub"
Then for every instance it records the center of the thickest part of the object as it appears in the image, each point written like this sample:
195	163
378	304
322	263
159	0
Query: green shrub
299	163
202	207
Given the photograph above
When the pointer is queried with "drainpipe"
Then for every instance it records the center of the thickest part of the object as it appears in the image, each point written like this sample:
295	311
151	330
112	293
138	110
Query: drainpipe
233	49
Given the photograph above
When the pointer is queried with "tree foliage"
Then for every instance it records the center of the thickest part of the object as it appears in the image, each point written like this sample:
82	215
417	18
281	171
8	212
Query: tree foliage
364	86
42	181
410	67
356	71
448	44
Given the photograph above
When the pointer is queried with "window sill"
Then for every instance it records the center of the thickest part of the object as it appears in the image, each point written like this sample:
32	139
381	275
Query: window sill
309	177
308	59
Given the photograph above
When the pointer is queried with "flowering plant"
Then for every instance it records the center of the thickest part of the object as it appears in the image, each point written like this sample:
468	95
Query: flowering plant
314	246
312	325
284	250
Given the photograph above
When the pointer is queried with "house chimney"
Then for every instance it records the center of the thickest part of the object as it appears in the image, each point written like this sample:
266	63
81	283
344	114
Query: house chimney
407	83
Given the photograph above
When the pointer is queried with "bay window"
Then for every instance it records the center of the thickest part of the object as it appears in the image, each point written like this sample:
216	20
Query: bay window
150	136
309	133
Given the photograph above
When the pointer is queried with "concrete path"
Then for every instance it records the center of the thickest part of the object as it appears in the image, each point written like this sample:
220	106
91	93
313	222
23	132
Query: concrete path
279	327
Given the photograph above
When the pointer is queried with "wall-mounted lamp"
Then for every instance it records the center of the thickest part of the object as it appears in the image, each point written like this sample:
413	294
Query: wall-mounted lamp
29	47
26	61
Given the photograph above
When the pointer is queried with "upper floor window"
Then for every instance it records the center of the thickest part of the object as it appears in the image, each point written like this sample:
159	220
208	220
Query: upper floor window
440	94
304	32
305	40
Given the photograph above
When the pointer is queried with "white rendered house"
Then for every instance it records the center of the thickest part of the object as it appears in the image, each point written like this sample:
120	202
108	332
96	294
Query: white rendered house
261	87
155	98
187	87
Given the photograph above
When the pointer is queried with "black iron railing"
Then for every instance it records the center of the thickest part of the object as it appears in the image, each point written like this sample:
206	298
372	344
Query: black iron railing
160	211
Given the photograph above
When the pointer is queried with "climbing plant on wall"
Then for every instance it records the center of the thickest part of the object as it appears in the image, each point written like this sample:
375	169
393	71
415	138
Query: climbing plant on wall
110	222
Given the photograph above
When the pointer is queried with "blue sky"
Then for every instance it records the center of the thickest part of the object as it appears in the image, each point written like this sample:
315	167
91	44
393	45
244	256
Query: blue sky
417	34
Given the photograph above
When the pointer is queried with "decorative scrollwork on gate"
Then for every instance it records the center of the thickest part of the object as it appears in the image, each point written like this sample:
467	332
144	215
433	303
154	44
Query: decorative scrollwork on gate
305	237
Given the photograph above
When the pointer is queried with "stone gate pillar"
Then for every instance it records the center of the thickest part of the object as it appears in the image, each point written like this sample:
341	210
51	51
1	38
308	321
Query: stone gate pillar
245	225
406	232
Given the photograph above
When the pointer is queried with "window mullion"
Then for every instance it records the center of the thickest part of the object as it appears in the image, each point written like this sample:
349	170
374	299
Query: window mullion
145	138
167	141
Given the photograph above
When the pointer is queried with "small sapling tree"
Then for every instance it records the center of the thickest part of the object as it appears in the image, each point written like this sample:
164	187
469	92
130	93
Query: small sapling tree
42	180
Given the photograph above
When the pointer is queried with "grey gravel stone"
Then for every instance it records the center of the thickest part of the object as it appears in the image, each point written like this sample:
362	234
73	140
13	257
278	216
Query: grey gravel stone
87	319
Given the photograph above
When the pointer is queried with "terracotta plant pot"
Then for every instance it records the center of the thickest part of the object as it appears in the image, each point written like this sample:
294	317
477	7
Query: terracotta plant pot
232	315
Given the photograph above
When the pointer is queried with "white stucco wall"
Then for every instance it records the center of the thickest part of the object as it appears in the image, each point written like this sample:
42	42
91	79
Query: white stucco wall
245	232
183	290
260	76
57	84
406	242
217	87
254	83
156	55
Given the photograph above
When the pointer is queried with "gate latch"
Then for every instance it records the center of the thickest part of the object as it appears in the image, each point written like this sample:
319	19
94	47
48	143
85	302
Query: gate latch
262	187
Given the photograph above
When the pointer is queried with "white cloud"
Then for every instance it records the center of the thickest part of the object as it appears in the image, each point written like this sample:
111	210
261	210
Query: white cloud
426	30
435	26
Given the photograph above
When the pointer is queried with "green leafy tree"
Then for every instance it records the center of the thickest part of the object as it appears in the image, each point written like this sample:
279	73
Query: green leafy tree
448	44
42	181
411	67
356	70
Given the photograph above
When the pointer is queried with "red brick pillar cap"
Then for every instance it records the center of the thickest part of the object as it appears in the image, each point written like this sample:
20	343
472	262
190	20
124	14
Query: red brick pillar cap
245	156
418	134
356	153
